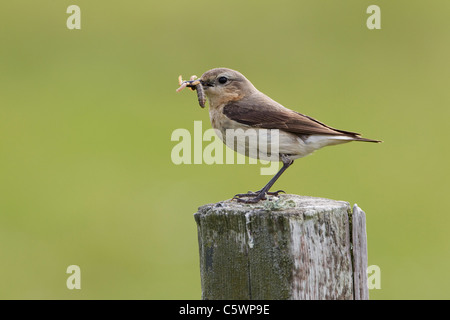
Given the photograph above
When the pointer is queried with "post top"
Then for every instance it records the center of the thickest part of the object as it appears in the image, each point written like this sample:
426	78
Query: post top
283	204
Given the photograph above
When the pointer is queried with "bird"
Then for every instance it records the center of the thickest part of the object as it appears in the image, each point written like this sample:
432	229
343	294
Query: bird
235	103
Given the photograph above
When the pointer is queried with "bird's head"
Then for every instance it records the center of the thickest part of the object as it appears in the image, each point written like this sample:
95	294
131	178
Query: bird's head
222	85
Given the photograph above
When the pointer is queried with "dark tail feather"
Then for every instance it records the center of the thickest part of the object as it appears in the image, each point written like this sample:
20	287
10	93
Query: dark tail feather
356	138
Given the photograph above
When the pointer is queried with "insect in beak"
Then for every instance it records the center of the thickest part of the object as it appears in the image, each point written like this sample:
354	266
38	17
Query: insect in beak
193	84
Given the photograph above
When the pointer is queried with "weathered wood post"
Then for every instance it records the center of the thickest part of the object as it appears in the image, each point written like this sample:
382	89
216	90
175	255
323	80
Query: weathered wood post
292	247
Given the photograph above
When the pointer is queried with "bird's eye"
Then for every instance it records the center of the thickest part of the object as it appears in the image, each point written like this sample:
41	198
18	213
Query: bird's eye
223	80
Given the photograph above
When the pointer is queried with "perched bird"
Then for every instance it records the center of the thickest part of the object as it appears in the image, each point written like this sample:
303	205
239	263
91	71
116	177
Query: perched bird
234	103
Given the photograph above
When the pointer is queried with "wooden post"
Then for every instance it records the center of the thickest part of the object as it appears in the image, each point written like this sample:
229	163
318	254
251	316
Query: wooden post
292	247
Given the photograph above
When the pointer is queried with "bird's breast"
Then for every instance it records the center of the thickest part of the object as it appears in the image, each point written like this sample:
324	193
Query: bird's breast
221	122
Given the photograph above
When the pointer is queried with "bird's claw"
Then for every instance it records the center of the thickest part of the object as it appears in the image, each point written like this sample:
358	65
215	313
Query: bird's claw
254	197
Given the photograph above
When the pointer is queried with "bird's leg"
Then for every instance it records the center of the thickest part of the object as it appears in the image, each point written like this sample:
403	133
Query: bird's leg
254	197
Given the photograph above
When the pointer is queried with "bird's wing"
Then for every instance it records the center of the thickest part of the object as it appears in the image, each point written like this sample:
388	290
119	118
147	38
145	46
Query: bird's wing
269	115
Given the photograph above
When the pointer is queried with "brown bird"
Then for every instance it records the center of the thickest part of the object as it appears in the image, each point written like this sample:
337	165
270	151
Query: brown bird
234	103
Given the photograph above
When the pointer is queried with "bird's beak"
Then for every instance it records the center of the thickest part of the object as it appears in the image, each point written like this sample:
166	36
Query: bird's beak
189	83
206	84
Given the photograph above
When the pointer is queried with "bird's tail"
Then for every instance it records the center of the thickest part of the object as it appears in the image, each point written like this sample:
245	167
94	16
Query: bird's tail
358	138
353	136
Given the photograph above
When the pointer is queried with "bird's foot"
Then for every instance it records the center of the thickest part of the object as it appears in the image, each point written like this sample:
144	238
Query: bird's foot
254	197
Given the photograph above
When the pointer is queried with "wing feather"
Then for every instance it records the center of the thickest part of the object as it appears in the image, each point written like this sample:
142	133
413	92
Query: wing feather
271	115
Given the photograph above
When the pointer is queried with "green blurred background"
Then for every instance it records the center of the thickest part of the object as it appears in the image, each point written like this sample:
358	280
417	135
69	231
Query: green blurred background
86	118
